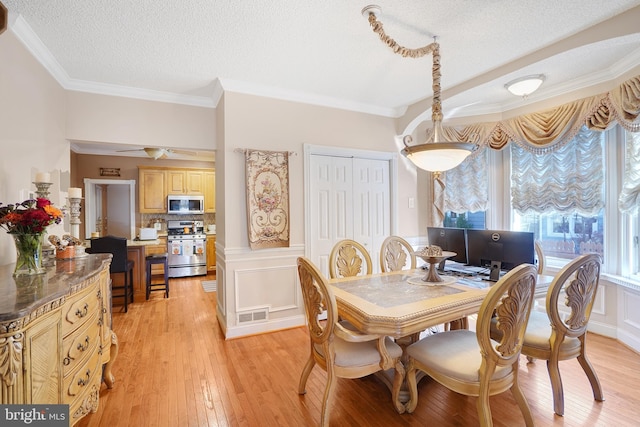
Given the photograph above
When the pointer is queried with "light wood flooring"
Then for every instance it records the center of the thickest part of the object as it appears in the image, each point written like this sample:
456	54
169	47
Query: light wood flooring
175	369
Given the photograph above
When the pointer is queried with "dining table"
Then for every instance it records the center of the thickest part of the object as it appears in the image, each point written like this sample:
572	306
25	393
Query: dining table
401	304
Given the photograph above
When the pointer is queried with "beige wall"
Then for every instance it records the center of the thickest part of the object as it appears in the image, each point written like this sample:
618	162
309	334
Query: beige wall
255	122
113	119
32	131
256	280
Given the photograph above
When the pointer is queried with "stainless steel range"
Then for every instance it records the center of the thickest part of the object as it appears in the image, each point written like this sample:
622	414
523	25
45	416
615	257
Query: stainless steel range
187	248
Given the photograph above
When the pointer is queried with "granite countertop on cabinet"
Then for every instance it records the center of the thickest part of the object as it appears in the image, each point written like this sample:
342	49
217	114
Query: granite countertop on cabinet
20	296
87	243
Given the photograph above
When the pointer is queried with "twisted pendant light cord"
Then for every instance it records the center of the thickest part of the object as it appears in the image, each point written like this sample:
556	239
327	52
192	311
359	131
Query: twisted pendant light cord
432	48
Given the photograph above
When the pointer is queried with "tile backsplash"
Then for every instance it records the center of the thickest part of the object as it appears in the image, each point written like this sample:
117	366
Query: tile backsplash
147	220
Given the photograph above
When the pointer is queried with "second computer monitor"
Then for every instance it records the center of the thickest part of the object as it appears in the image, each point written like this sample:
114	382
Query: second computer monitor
499	249
451	240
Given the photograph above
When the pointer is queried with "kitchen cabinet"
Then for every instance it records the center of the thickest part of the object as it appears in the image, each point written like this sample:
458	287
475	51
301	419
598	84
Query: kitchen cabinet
156	183
211	252
176	182
189	182
152	190
209	178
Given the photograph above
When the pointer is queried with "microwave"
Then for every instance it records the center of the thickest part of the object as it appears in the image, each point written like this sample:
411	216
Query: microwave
183	205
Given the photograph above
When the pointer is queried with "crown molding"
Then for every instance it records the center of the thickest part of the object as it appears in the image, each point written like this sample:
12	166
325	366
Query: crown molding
305	98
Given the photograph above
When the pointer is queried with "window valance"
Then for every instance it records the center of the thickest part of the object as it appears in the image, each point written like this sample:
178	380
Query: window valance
540	133
548	130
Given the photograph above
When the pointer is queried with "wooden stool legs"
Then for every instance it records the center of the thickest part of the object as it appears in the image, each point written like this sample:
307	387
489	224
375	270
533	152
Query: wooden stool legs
157	286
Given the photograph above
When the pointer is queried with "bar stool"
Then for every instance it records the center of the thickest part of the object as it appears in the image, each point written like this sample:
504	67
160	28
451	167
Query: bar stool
157	286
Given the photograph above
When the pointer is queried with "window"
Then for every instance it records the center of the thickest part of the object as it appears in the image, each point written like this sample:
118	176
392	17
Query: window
559	195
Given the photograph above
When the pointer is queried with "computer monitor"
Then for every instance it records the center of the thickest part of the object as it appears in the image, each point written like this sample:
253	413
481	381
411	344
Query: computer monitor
499	249
451	240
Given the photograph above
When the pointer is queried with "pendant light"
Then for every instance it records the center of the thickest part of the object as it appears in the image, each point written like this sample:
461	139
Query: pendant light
436	154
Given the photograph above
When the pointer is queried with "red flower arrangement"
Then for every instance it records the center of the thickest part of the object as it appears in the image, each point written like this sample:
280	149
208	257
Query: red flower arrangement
29	217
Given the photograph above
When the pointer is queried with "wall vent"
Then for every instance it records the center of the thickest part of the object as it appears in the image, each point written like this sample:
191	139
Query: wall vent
253	316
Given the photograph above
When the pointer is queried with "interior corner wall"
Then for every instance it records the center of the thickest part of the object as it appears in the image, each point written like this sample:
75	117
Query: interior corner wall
258	280
32	136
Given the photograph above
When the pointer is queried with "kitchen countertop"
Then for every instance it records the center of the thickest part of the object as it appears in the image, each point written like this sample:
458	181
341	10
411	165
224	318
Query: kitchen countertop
87	243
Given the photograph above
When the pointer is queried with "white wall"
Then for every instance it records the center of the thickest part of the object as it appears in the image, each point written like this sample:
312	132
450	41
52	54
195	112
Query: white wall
32	131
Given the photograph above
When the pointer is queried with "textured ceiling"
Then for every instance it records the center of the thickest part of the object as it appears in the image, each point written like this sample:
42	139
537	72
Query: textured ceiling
324	52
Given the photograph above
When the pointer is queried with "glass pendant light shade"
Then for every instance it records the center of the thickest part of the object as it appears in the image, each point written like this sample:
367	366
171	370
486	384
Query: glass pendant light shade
438	157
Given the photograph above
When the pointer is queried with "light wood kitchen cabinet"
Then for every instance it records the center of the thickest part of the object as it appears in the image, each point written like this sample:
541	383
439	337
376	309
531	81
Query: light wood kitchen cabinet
156	183
195	182
185	181
58	341
152	190
211	252
209	178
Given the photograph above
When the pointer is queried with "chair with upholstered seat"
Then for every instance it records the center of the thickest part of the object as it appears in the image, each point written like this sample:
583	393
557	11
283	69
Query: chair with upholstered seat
117	246
560	332
396	254
346	259
340	351
473	364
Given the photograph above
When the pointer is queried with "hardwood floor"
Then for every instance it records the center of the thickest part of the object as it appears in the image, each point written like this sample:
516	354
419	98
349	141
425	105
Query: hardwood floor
175	369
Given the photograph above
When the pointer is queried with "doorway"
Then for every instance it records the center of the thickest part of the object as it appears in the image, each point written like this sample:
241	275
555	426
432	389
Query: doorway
110	207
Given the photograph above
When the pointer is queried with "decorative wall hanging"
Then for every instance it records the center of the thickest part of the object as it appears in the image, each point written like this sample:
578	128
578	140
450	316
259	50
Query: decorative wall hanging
267	174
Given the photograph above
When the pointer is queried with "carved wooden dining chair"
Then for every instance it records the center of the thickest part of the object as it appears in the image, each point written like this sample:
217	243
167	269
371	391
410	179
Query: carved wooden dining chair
473	364
341	352
560	332
396	254
540	258
346	259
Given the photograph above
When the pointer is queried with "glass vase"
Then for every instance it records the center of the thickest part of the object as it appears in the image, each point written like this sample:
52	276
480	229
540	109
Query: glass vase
29	251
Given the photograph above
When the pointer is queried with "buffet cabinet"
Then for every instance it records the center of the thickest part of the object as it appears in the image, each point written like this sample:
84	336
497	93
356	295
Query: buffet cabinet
56	342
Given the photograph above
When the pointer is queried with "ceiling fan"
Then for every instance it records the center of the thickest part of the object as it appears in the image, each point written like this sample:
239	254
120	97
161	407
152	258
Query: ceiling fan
161	153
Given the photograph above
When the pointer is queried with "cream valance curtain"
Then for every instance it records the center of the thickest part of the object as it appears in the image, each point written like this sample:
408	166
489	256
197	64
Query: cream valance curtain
548	130
540	133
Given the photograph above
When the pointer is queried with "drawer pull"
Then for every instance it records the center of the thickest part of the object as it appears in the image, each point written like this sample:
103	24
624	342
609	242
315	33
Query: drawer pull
86	344
83	312
66	361
83	382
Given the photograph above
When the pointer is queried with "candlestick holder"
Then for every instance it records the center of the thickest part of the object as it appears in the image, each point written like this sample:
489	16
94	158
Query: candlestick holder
42	189
74	215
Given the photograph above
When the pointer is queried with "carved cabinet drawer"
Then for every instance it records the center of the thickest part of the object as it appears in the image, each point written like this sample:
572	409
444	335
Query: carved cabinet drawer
82	387
77	347
79	309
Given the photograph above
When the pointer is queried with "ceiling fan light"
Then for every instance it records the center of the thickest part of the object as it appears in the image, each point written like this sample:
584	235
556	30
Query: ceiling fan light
525	86
155	153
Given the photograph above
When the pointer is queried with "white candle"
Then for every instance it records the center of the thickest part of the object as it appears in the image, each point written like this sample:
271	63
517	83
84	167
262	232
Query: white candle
43	177
75	193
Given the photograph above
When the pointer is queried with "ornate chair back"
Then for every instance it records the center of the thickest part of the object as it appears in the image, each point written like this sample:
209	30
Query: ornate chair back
395	254
346	259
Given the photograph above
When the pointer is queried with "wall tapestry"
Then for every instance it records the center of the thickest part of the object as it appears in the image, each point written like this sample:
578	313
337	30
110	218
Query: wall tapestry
267	198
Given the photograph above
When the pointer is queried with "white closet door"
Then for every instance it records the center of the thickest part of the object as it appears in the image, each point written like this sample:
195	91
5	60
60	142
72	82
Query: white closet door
372	210
349	199
331	206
